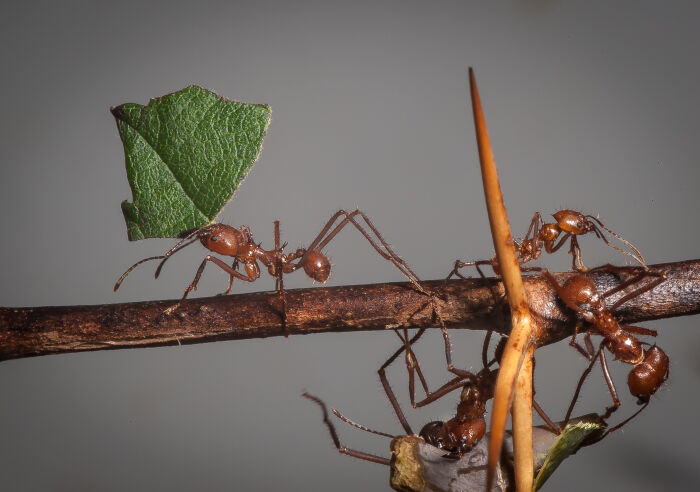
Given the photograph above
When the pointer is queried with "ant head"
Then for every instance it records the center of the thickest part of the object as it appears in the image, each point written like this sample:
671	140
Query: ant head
471	432
573	222
317	266
224	239
581	290
431	433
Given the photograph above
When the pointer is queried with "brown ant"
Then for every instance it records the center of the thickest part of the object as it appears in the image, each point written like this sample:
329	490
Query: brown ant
239	244
650	367
548	236
458	435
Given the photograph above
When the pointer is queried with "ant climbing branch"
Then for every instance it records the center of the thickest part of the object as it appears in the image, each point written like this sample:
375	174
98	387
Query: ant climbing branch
28	332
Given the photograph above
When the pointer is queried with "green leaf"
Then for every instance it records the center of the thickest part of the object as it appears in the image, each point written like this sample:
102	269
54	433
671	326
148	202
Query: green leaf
567	443
186	153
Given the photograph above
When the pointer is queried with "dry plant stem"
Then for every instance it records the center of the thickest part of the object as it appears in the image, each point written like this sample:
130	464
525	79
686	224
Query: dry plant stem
522	430
34	331
522	331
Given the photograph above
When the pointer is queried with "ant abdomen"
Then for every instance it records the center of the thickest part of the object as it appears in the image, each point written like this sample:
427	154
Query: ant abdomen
646	378
317	266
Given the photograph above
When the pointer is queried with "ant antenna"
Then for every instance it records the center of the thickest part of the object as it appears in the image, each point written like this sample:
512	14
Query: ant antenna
164	257
637	255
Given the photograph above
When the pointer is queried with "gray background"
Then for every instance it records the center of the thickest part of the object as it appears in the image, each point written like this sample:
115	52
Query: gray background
593	107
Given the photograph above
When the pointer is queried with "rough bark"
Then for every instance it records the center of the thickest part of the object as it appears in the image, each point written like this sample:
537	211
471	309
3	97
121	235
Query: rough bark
33	331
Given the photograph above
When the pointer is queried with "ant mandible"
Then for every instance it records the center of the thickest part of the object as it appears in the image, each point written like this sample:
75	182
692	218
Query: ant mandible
239	244
551	237
650	367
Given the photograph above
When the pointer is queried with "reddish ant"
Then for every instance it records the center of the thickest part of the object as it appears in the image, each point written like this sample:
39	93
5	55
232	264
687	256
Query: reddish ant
650	366
541	235
239	244
456	436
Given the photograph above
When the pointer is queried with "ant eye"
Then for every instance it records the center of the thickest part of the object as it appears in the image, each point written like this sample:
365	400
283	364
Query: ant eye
579	224
213	239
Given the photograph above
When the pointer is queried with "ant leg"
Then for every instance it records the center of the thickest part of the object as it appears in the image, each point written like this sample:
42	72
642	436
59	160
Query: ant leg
193	285
387	253
453	384
658	279
342	449
463	264
324	237
584	375
485	348
279	281
535	226
611	386
576	345
553	249
575	251
412	365
387	387
543	415
234	265
618	426
638	330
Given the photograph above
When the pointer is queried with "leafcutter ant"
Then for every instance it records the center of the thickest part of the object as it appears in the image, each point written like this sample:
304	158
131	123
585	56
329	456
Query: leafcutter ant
650	366
551	237
239	243
456	436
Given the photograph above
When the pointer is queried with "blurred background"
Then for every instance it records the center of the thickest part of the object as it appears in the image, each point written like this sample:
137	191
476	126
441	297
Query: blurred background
591	106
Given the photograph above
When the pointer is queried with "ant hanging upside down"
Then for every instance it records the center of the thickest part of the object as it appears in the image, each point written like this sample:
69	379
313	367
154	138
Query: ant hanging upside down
239	243
456	436
650	366
551	237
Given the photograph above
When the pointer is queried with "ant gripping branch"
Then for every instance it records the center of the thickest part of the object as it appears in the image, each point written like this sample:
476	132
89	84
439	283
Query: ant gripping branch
551	237
239	244
650	366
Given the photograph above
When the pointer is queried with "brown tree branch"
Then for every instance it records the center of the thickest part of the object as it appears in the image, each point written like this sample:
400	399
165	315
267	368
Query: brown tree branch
26	332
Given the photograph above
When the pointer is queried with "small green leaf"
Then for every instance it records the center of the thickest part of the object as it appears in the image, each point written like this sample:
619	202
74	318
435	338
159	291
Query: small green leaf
186	153
567	443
